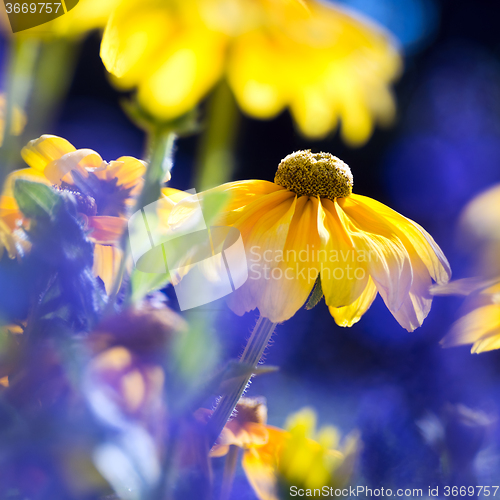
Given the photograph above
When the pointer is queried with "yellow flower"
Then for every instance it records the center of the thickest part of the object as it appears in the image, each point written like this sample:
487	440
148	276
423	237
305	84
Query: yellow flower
275	459
308	224
322	62
104	193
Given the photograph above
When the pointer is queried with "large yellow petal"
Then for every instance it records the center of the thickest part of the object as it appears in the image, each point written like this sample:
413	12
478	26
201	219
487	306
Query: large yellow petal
47	148
254	68
351	314
134	36
417	304
293	273
423	243
388	261
343	269
264	225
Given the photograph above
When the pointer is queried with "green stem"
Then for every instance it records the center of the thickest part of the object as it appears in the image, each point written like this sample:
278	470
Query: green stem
24	54
54	71
229	470
251	356
160	146
215	162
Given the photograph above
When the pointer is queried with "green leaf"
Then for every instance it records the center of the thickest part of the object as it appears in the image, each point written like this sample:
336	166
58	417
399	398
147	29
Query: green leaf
34	199
316	295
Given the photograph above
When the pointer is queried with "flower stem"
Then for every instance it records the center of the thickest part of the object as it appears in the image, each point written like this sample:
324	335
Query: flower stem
215	163
251	356
23	57
229	470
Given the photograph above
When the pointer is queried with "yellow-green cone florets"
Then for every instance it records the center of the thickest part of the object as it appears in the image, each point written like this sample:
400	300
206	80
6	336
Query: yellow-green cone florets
315	174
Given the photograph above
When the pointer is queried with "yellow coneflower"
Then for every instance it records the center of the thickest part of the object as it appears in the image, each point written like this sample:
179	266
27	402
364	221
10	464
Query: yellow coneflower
324	63
104	192
298	456
308	224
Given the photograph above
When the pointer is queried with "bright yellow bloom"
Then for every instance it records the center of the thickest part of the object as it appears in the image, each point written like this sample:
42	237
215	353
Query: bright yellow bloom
104	192
87	15
307	223
274	458
320	61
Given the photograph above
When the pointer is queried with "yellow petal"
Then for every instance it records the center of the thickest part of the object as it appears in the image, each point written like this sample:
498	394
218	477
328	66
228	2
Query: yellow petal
423	243
133	36
480	327
417	304
127	170
186	70
254	67
351	314
264	225
40	152
261	464
388	261
107	260
344	271
60	169
240	194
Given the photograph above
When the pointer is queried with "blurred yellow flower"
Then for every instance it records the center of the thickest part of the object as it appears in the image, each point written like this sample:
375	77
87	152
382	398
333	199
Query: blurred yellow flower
104	193
479	324
275	459
479	228
324	63
308	224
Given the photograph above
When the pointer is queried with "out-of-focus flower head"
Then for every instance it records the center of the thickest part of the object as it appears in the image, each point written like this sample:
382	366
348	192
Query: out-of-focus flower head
324	63
309	224
104	193
479	234
85	16
479	228
125	377
479	324
298	455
